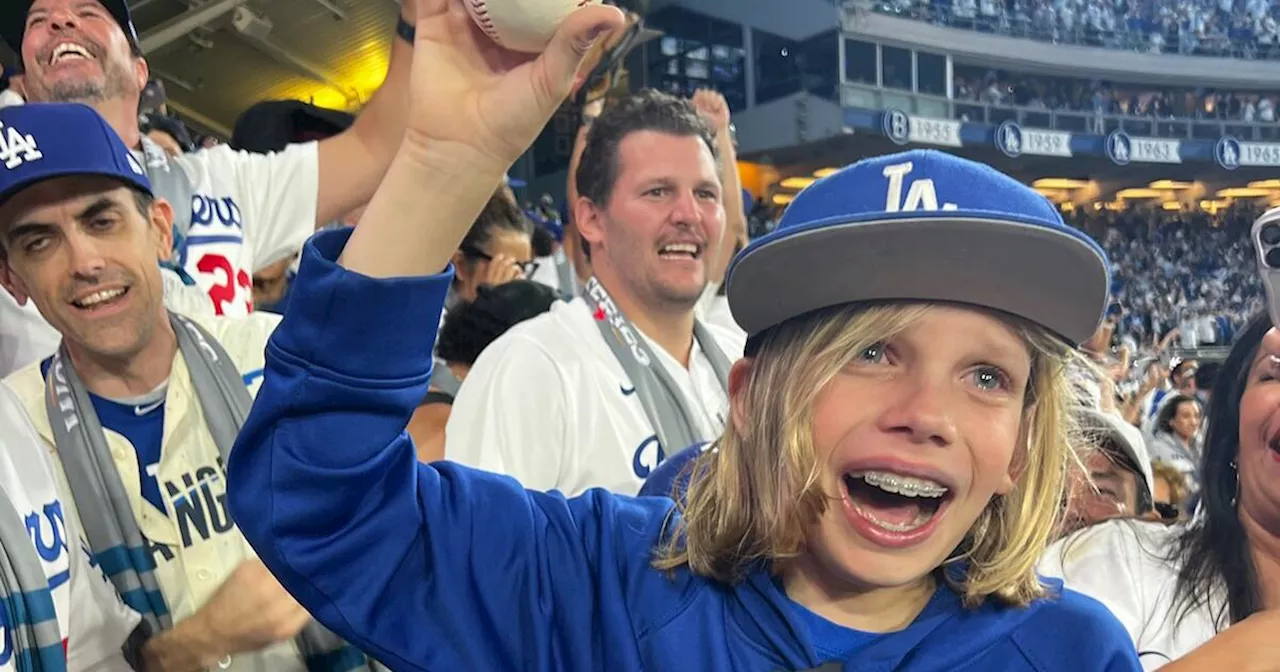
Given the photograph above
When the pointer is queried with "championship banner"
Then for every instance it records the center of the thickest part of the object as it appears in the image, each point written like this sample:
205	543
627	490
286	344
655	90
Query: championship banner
1015	141
1123	149
903	129
1231	153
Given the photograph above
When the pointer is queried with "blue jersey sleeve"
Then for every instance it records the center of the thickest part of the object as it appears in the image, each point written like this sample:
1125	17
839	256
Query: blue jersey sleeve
423	567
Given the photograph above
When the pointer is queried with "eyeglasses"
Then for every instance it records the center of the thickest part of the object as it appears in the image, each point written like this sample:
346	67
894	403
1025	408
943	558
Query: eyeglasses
526	267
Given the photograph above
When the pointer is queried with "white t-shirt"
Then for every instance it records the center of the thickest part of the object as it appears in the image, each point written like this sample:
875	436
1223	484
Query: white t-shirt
93	621
248	211
1122	565
549	404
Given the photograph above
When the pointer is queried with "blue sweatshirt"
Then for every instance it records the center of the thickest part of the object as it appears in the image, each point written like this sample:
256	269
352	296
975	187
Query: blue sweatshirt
443	568
673	472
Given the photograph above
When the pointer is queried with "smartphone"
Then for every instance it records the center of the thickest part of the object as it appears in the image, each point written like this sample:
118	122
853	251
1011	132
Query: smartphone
1266	240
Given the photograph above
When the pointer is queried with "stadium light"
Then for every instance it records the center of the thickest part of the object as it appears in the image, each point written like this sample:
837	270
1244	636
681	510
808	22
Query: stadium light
1139	192
1171	205
797	182
1168	185
1265	184
1059	183
1243	192
825	172
1054	195
782	199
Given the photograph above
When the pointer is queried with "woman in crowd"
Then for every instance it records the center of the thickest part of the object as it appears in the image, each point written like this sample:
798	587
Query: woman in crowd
497	249
1174	439
467	331
1204	595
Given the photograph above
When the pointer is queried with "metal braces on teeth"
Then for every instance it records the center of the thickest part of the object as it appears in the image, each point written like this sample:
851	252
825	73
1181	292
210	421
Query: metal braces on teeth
903	487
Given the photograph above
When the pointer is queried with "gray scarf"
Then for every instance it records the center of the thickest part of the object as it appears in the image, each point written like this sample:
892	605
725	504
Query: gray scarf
170	182
100	496
668	410
565	274
26	604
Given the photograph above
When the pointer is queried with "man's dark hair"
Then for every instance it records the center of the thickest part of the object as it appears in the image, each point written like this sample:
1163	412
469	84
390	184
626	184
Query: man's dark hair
647	110
143	202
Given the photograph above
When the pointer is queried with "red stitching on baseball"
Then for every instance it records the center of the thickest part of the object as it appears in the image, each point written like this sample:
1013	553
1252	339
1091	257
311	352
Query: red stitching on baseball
480	13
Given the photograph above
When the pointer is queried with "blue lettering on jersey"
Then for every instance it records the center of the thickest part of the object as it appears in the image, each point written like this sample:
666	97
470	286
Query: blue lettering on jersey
52	548
196	507
647	457
208	211
49	547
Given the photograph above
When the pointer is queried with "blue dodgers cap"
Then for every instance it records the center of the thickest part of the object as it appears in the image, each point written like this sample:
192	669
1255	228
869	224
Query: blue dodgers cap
923	226
41	141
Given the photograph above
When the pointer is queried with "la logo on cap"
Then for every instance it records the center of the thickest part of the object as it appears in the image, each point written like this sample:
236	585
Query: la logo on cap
17	148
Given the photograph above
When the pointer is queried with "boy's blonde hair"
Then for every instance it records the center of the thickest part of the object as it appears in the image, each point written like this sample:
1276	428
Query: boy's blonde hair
751	500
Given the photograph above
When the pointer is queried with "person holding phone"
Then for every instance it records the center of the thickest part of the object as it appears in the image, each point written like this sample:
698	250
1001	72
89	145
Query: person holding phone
1205	595
1200	595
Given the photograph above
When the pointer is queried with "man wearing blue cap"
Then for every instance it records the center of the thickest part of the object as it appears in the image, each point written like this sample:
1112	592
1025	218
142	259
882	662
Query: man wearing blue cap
234	212
140	405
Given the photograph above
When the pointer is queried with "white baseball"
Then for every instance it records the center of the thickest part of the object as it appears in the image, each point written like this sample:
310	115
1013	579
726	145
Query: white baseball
522	25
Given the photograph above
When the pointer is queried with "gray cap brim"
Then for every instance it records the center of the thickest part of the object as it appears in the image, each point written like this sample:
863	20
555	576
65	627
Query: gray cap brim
1050	276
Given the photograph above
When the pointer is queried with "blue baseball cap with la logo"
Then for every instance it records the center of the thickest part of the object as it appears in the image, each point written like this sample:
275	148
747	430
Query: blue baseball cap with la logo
923	225
41	141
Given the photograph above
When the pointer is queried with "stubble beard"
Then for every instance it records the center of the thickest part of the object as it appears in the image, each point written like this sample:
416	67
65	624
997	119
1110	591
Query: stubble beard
114	84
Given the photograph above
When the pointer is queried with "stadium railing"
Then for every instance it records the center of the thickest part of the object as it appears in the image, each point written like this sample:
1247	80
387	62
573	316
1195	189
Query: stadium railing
871	97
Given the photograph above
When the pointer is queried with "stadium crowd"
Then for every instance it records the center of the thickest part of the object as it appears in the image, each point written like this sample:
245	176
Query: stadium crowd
339	398
1043	92
1226	28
